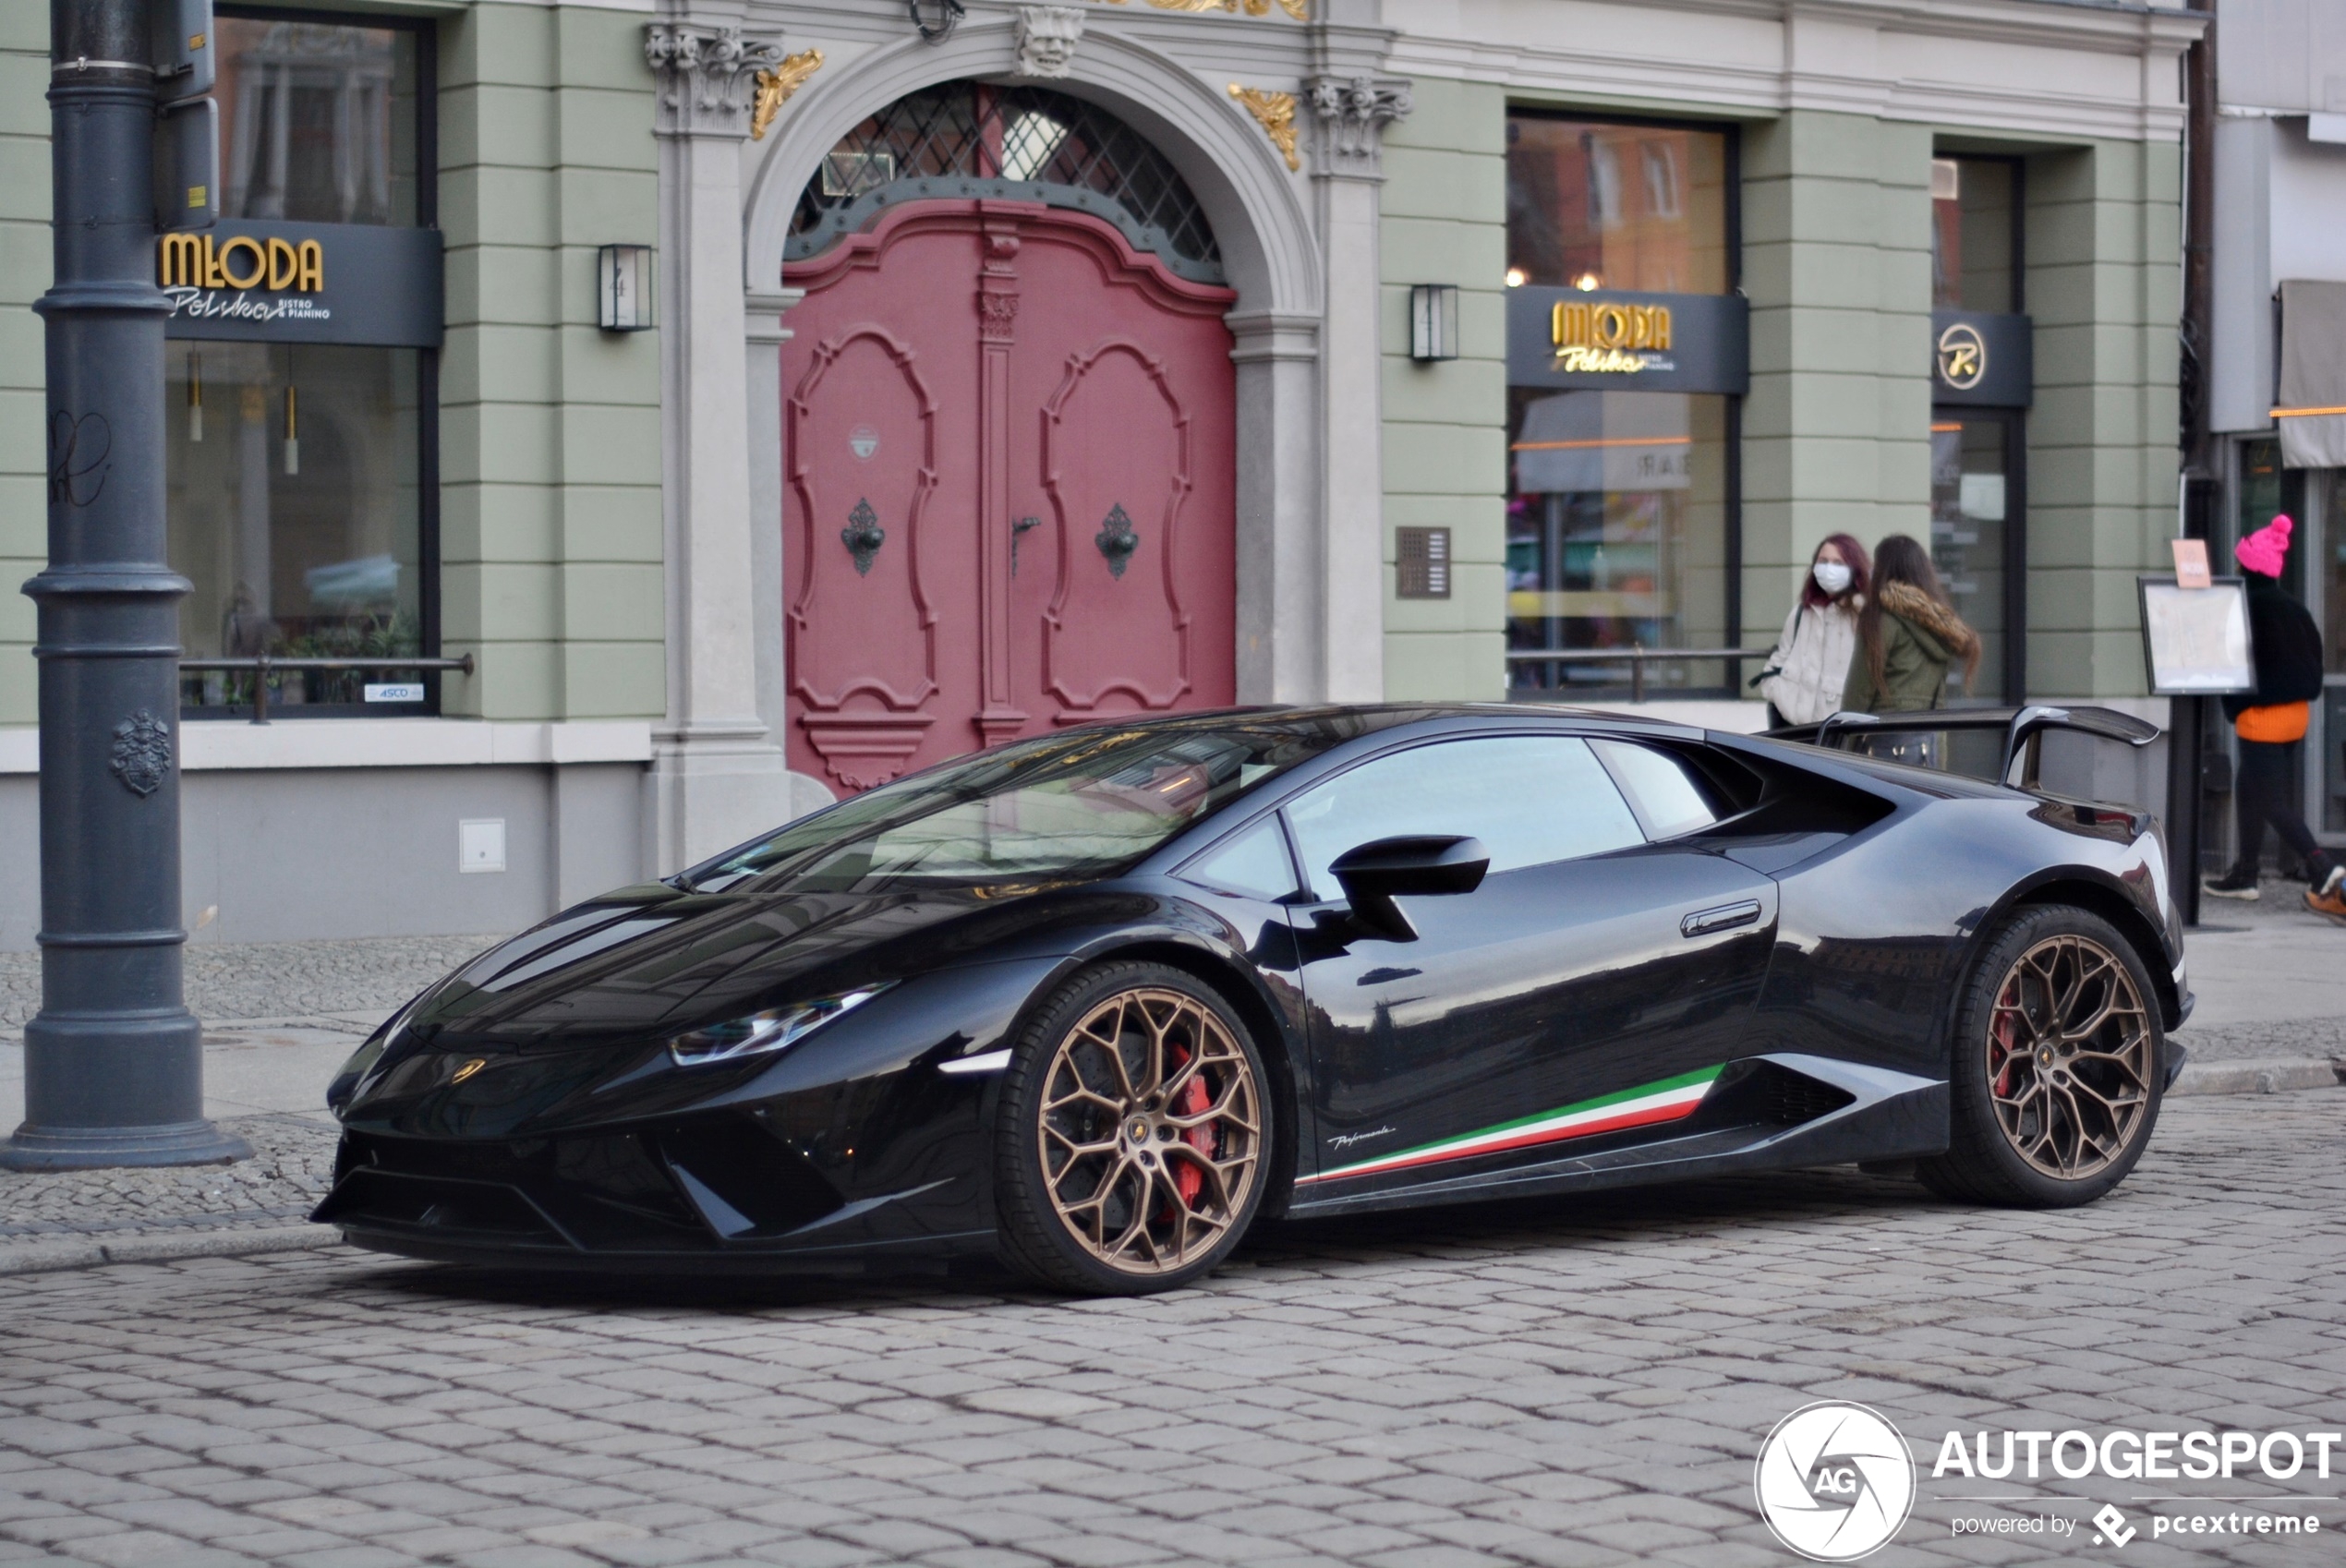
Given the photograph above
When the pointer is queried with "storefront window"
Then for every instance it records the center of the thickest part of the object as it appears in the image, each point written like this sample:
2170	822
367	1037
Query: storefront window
1974	233
2267	488
299	478
317	121
1595	206
1621	511
1974	494
2331	486
1616	529
295	509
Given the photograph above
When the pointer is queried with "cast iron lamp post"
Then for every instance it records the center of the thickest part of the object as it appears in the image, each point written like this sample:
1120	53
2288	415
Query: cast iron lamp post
114	1062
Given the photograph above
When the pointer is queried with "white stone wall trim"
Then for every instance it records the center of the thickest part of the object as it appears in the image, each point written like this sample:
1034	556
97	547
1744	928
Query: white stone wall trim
224	744
2011	65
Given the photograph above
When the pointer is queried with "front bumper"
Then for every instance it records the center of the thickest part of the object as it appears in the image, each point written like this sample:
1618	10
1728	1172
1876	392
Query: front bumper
819	1178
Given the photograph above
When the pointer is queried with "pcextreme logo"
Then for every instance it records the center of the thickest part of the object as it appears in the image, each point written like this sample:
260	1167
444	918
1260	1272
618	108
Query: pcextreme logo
1834	1481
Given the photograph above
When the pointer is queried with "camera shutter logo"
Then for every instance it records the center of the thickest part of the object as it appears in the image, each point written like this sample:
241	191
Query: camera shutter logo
1963	356
1834	1481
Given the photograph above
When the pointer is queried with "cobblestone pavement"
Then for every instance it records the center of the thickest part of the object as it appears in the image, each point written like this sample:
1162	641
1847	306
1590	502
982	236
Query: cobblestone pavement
292	1166
1551	1383
279	979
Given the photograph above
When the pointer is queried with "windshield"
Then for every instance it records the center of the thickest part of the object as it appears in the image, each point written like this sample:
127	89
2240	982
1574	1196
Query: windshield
1078	805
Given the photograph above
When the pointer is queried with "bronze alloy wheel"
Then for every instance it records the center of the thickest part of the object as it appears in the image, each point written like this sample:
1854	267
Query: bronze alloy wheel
2070	1058
1150	1130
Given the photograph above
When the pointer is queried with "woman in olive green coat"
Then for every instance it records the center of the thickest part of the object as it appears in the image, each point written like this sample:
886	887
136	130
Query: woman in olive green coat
1908	636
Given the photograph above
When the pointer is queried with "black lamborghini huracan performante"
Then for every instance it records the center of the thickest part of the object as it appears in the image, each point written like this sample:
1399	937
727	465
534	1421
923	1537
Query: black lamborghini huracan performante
1094	1004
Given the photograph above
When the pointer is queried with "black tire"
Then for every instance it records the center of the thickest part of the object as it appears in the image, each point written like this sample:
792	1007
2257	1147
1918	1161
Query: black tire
1160	1192
2058	1066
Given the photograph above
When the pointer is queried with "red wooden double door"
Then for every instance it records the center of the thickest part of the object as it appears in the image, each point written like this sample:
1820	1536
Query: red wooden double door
1010	487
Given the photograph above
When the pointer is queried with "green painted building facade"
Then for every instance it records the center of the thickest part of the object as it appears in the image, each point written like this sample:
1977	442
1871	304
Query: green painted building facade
605	506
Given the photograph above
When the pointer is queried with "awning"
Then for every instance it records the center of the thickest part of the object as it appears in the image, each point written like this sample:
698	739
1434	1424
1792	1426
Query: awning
2312	415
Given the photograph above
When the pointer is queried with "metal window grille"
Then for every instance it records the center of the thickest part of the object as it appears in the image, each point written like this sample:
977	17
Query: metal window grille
1422	563
969	139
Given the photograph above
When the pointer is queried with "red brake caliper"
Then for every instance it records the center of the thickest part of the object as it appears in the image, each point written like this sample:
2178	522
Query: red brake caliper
1194	1099
2000	1075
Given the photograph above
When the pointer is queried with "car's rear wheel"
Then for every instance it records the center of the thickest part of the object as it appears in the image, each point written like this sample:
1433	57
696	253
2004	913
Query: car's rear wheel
2058	1065
1135	1133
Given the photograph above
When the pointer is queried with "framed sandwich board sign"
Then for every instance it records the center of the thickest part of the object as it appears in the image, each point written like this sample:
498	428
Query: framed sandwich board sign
2196	641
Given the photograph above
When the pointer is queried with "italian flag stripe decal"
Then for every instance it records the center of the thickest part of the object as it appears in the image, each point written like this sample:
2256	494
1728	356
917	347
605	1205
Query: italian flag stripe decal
1646	1106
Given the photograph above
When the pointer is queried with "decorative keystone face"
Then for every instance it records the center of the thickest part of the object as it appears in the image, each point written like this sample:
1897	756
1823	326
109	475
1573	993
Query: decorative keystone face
1046	40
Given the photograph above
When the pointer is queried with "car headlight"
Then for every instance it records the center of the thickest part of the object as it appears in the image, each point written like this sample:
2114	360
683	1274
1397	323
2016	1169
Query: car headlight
364	1060
763	1033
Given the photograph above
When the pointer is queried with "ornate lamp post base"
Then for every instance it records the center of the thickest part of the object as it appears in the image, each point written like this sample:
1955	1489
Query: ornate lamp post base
95	1148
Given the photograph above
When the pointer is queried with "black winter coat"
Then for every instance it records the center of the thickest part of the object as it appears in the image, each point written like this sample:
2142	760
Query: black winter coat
2288	646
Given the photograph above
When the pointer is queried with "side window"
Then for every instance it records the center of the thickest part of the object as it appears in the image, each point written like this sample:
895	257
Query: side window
1253	862
1662	788
1530	798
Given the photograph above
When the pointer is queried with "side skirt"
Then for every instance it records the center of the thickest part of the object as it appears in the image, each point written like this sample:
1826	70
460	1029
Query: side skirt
1893	1116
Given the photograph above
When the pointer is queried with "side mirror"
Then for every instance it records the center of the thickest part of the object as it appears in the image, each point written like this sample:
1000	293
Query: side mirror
1376	873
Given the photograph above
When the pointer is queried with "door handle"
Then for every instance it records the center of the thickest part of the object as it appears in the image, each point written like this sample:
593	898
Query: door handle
1723	917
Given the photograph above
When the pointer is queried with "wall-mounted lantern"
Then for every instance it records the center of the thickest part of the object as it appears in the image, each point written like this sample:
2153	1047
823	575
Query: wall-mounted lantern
1433	322
623	288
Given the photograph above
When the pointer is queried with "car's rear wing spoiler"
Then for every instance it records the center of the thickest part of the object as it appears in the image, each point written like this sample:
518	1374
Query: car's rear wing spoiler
2023	729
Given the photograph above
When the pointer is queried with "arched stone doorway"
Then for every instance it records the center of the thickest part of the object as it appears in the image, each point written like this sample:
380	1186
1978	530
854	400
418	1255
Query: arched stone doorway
1009	411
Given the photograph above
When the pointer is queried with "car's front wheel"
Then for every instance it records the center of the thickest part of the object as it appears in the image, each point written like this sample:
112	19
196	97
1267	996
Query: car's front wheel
2058	1065
1133	1133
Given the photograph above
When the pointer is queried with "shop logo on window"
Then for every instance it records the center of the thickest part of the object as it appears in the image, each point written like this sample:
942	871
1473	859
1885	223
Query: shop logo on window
1621	339
230	278
1963	356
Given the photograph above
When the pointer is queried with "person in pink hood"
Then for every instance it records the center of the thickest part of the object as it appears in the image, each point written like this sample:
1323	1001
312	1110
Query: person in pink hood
2271	723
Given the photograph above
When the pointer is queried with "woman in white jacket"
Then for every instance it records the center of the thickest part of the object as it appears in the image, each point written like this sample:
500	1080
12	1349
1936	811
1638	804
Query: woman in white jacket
1805	674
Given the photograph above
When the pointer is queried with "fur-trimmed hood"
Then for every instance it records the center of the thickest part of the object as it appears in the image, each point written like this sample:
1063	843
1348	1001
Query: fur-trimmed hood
1927	617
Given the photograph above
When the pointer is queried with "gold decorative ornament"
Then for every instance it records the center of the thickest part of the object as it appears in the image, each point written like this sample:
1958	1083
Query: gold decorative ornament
774	87
1274	111
1299	9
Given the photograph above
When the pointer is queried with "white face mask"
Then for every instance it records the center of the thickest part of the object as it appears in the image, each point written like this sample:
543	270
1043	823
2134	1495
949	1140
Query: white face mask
1832	577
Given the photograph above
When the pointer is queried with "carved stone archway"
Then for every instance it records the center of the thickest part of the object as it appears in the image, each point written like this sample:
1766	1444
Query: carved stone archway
1262	217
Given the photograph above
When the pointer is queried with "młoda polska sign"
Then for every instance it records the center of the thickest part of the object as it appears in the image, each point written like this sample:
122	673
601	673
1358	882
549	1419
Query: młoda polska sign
246	278
255	281
1610	341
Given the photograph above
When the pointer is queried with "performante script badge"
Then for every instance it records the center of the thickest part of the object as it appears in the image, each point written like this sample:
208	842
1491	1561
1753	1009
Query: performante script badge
1834	1481
468	1069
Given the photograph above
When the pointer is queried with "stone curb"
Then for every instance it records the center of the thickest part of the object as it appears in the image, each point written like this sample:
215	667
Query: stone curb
2270	1075
46	1257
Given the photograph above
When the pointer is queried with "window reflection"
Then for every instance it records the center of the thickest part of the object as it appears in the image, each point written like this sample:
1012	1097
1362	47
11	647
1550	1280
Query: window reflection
1971	506
1616	529
1973	225
292	479
1616	206
317	121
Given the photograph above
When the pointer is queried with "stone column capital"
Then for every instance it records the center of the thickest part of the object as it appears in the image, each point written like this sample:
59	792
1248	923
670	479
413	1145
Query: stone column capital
1351	113
707	77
